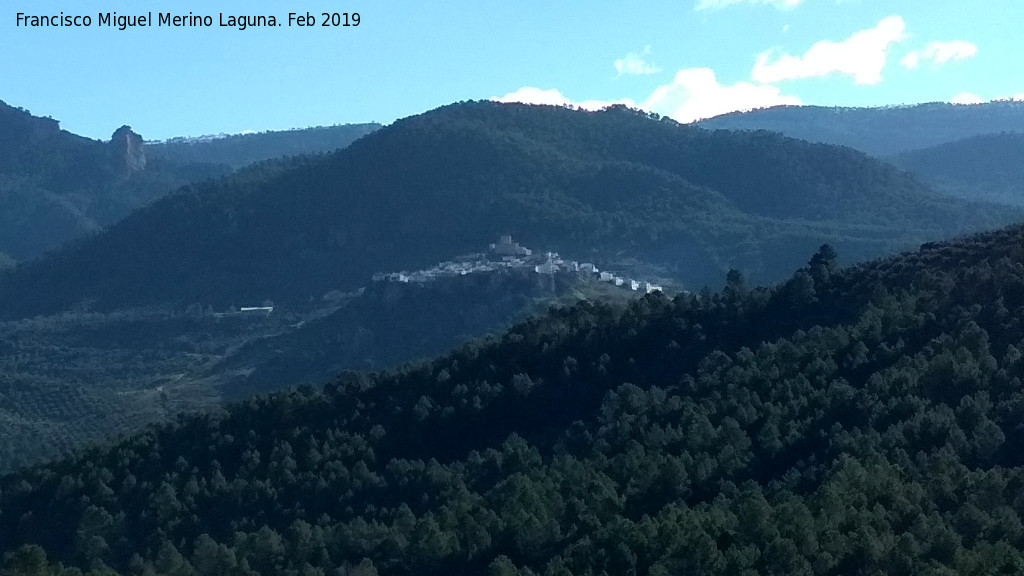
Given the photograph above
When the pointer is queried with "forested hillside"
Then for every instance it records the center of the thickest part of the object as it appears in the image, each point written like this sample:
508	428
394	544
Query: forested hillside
884	131
391	323
71	379
56	186
974	152
848	421
237	150
80	377
598	185
989	167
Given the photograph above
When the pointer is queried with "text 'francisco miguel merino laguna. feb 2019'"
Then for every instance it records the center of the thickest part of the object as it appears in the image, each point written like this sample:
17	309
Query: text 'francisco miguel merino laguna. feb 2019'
190	20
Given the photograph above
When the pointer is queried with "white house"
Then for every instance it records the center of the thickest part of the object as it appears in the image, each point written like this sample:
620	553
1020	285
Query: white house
546	268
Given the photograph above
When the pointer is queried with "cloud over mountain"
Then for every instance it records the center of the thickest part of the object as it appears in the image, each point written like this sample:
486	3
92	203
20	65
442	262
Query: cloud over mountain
635	64
862	56
695	93
939	53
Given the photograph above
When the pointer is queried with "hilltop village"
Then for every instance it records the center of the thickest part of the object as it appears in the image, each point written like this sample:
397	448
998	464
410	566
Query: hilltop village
510	255
505	254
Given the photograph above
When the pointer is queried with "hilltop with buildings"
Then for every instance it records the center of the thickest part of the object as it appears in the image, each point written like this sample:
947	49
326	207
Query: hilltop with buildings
506	254
401	316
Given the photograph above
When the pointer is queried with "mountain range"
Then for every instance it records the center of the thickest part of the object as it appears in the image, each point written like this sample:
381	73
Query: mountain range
972	151
989	167
603	185
133	324
238	150
137	320
884	131
56	187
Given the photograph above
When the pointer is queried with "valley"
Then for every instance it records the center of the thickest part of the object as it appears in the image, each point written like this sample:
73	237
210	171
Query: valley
80	377
385	337
698	288
289	271
819	426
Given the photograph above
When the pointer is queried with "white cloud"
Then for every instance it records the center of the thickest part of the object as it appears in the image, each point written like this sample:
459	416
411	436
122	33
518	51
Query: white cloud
862	56
939	53
966	98
716	4
634	64
531	95
695	94
553	97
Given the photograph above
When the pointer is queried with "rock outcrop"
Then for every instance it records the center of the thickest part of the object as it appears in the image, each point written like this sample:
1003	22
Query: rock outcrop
127	151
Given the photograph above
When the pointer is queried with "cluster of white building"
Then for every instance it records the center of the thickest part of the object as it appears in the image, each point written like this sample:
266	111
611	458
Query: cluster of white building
555	264
468	265
511	255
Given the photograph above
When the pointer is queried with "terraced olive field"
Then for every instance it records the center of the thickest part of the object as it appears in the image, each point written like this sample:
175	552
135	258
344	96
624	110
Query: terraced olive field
79	377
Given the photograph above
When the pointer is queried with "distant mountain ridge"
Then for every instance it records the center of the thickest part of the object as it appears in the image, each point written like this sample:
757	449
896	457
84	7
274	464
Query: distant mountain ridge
602	184
237	150
882	131
48	178
56	186
989	167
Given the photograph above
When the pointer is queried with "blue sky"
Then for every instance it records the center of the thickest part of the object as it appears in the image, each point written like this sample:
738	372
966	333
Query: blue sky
682	58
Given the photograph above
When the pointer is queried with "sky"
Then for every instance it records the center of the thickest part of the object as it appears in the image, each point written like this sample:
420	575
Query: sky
687	59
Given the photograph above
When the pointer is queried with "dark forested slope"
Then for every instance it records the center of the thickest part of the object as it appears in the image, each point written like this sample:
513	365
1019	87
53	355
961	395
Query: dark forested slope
75	378
881	131
988	167
56	186
32	218
599	185
237	150
390	323
849	421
